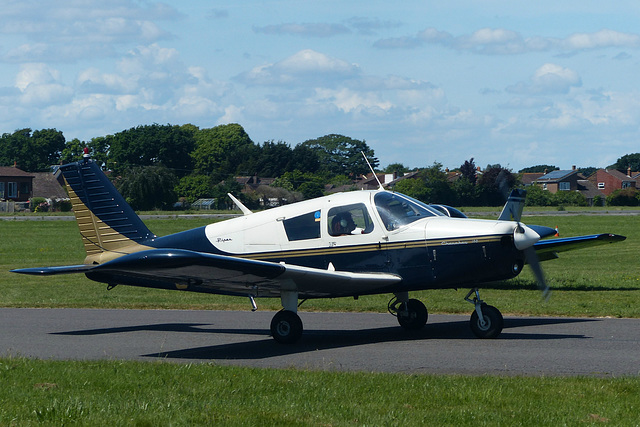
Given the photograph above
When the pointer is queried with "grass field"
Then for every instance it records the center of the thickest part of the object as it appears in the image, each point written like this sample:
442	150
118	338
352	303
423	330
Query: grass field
147	394
601	281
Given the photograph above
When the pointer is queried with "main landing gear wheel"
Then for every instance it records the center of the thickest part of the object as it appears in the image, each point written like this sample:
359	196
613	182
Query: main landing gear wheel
412	315
490	326
286	327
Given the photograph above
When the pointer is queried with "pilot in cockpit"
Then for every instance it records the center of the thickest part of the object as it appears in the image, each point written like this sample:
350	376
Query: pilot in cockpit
342	224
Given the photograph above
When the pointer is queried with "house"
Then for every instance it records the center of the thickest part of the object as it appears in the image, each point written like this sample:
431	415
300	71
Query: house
251	183
560	180
610	180
15	184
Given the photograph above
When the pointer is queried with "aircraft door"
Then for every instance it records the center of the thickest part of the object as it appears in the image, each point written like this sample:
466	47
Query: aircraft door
355	241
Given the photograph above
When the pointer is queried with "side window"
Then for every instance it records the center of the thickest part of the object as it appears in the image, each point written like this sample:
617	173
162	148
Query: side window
350	219
1	190
12	189
303	227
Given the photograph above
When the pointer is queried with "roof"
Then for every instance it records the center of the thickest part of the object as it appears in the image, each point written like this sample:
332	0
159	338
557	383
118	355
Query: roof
618	175
557	175
588	189
46	185
11	171
529	178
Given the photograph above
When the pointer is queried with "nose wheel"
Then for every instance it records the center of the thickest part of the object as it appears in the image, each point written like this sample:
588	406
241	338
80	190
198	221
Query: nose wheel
486	320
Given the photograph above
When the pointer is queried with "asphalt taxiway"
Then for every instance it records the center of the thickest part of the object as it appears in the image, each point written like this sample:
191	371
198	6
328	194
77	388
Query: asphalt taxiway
331	341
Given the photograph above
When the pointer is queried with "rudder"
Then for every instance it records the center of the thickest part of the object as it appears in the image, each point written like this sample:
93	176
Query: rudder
108	225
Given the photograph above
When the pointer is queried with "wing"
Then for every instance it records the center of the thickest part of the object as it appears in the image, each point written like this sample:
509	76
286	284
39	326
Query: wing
548	249
208	273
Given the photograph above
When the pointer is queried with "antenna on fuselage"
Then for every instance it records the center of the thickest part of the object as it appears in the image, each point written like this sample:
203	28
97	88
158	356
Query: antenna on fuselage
380	187
245	210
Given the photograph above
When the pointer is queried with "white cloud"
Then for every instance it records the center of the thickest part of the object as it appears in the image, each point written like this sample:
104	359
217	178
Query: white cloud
75	30
303	67
501	41
548	79
305	29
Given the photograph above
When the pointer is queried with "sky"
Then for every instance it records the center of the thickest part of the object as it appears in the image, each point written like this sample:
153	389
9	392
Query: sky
503	82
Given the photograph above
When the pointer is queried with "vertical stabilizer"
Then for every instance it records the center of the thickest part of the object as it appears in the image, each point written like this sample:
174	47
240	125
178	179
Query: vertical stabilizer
108	225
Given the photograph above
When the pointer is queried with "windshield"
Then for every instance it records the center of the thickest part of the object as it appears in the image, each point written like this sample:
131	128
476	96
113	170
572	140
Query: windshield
397	210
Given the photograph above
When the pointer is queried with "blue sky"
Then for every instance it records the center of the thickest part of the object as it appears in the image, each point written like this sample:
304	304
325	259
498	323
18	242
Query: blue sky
515	83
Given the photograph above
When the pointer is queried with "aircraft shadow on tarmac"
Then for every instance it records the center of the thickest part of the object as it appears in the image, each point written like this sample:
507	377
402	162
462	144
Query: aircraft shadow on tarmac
320	339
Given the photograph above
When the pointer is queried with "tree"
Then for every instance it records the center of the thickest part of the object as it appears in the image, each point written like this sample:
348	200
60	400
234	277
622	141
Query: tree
272	159
153	145
468	171
33	152
220	150
194	187
341	155
147	188
495	184
539	169
416	188
624	197
437	181
538	196
396	168
304	159
73	151
308	184
627	161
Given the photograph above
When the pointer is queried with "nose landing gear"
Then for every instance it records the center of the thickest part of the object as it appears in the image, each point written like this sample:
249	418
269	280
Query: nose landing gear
486	320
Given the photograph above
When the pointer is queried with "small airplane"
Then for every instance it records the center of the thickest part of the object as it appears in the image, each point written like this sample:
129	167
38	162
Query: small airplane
341	245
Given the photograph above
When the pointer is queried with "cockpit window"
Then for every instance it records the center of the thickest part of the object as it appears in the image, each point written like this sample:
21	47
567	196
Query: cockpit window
350	219
397	210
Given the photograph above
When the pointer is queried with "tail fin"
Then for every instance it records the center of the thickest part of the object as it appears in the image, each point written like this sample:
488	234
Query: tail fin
512	210
108	225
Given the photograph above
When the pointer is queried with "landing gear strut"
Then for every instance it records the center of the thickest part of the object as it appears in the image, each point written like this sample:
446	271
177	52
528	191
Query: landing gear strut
486	320
411	313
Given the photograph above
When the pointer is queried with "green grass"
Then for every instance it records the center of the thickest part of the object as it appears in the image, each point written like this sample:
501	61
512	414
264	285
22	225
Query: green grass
157	393
599	281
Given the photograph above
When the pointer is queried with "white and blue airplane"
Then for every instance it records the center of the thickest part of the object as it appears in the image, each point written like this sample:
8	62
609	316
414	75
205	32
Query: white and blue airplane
341	245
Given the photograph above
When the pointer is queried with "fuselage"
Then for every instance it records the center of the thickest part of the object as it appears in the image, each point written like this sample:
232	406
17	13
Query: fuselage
366	231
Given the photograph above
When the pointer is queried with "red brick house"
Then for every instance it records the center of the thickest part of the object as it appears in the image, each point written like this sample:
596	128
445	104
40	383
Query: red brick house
610	180
15	184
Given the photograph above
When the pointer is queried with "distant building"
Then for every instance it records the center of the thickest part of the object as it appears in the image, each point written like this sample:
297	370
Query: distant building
15	184
610	180
560	180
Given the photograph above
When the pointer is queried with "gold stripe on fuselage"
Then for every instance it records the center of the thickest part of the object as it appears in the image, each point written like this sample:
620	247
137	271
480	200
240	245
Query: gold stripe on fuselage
371	247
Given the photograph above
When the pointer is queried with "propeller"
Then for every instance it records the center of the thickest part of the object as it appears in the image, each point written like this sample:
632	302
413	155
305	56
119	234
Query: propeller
524	237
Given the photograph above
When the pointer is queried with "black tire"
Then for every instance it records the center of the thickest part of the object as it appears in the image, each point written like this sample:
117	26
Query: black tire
493	322
286	327
414	316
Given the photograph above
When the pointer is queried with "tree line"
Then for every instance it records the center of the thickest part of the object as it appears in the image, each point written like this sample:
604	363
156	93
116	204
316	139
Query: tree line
155	165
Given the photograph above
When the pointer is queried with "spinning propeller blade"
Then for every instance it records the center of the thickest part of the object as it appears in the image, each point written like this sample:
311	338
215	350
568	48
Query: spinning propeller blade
524	237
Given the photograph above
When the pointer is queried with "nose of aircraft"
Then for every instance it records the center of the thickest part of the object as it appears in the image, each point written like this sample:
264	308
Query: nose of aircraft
524	237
